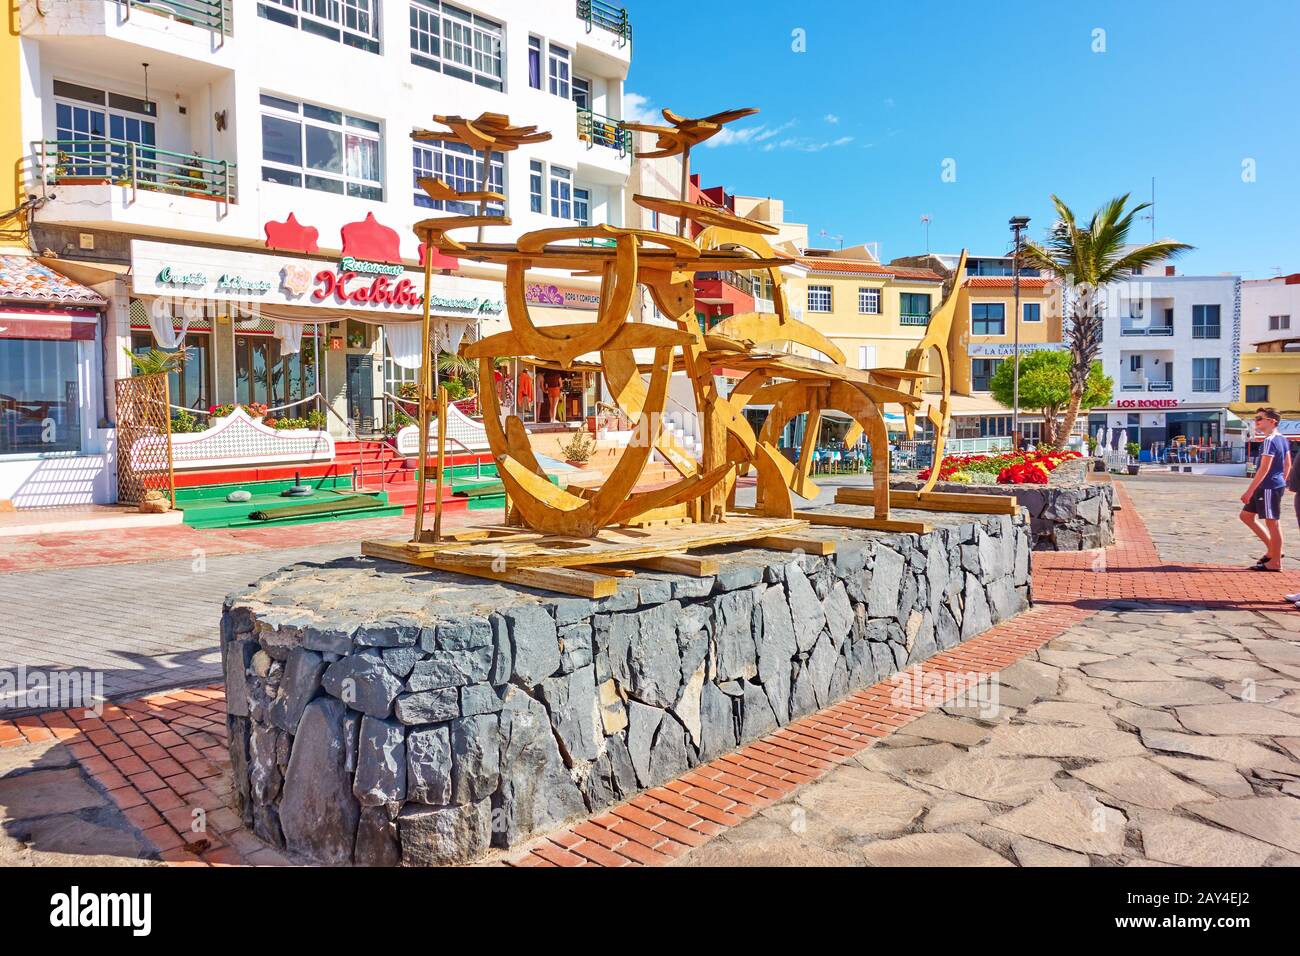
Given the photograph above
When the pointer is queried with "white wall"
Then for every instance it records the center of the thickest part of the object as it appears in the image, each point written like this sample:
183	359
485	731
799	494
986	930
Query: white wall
1261	298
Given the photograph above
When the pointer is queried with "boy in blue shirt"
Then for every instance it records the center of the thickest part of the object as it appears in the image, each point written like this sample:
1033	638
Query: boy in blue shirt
1263	499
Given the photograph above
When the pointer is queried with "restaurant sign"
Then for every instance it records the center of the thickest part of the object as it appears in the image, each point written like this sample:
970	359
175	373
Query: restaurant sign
1000	350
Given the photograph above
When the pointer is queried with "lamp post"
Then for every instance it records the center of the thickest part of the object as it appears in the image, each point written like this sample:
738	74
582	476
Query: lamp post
1018	224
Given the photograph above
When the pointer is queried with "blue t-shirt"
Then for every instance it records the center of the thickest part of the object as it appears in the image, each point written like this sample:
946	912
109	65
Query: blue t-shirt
1276	446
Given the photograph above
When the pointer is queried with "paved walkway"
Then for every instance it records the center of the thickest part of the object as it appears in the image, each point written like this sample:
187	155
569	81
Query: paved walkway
1120	736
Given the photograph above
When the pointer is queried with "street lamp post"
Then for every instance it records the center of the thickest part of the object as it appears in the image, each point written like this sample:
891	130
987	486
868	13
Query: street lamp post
1018	224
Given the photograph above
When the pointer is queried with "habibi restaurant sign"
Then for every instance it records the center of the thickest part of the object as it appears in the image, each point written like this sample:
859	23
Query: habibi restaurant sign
167	269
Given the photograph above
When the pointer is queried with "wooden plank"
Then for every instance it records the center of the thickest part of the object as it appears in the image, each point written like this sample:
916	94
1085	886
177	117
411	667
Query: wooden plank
935	501
562	580
700	567
861	522
791	542
610	571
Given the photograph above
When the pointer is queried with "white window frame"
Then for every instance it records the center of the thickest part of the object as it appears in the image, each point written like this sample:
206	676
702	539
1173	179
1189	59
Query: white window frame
1277	323
561	192
1024	312
559	70
346	128
818	291
868	300
337	20
537	46
866	356
469	47
460	170
582	205
537	187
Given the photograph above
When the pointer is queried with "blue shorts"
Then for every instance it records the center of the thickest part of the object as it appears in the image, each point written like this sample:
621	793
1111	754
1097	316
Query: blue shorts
1266	503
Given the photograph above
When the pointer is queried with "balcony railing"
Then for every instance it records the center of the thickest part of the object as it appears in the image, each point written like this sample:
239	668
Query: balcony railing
746	284
597	13
1146	386
1147	330
1160	386
597	130
202	13
908	318
91	162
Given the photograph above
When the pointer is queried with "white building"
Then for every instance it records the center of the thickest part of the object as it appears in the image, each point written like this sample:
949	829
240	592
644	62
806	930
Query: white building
1270	310
174	159
1172	344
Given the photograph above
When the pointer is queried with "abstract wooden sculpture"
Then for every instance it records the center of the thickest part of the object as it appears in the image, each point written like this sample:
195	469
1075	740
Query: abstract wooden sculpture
565	530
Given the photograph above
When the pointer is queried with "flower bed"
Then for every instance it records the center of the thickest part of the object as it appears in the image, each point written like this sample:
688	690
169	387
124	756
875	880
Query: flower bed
1012	468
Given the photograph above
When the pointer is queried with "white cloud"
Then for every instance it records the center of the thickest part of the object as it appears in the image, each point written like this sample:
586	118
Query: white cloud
639	109
832	118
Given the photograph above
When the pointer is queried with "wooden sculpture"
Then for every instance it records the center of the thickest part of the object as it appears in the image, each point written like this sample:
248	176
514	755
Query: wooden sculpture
566	532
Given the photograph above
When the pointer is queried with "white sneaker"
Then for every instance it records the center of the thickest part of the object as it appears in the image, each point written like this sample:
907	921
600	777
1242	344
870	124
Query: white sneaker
1293	598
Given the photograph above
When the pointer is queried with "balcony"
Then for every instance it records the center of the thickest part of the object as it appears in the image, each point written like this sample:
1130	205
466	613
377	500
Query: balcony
135	166
211	14
908	318
1127	330
606	16
597	130
1146	386
726	288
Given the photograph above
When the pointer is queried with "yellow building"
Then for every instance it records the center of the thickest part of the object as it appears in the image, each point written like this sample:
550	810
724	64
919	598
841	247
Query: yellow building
1270	376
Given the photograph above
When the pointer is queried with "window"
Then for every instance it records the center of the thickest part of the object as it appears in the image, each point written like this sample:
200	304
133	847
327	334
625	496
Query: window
561	193
1205	321
461	168
819	298
536	185
352	22
1256	394
1135	363
582	92
869	301
449	40
557	71
88	116
1205	373
582	206
535	62
1032	312
1279	322
914	308
263	375
41	410
866	356
191	384
988	318
320	148
981	373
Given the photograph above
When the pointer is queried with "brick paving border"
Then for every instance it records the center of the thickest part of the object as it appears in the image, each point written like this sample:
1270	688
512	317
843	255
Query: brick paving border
162	757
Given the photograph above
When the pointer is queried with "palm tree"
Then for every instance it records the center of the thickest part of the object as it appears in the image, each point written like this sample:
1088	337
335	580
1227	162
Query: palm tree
156	361
1086	259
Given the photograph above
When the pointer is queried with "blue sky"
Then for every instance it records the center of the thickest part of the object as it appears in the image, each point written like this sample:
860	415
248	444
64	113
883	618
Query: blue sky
854	132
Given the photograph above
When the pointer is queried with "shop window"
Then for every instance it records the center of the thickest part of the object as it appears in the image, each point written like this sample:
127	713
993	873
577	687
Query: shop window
320	148
40	398
461	168
188	386
449	40
265	376
981	373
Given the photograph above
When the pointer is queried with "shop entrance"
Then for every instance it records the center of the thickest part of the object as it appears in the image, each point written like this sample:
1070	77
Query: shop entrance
361	393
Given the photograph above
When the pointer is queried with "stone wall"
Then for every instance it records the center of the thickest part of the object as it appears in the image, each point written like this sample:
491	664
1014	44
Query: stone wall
1063	515
380	714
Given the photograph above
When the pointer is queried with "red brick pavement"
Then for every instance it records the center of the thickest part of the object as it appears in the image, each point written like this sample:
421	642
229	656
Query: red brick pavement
162	758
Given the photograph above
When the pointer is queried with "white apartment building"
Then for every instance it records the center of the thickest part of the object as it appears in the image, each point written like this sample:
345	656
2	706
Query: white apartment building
219	169
1172	344
1270	310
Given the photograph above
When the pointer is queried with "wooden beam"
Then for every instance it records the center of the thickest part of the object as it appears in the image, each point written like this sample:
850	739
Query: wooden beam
862	522
562	580
935	501
699	567
790	542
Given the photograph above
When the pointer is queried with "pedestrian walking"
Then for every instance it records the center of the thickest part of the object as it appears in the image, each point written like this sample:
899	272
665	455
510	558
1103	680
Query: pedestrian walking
1263	499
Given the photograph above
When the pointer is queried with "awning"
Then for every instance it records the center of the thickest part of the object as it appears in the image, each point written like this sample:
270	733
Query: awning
54	325
25	281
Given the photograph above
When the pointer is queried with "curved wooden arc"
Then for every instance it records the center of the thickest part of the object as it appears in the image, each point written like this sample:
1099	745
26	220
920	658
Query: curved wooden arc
764	328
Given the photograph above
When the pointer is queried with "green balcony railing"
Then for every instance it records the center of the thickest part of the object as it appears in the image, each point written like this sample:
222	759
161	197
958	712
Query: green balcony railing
597	130
597	13
99	161
213	14
913	319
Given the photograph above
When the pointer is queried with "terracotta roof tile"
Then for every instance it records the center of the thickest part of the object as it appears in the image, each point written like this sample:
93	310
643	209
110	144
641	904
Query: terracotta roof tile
23	279
1006	282
859	267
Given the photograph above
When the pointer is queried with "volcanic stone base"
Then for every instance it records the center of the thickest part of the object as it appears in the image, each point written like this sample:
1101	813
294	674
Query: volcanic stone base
383	714
1078	516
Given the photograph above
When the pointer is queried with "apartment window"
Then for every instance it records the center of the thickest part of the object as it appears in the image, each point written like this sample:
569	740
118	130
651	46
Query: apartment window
557	71
869	301
582	92
536	185
914	308
1205	321
1205	374
1032	312
84	118
981	373
819	298
535	62
1256	394
449	40
1135	363
320	148
582	206
561	193
1276	322
461	168
866	356
988	318
354	23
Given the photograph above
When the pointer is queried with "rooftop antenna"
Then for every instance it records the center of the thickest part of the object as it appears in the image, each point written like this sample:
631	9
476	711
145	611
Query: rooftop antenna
825	235
1151	210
